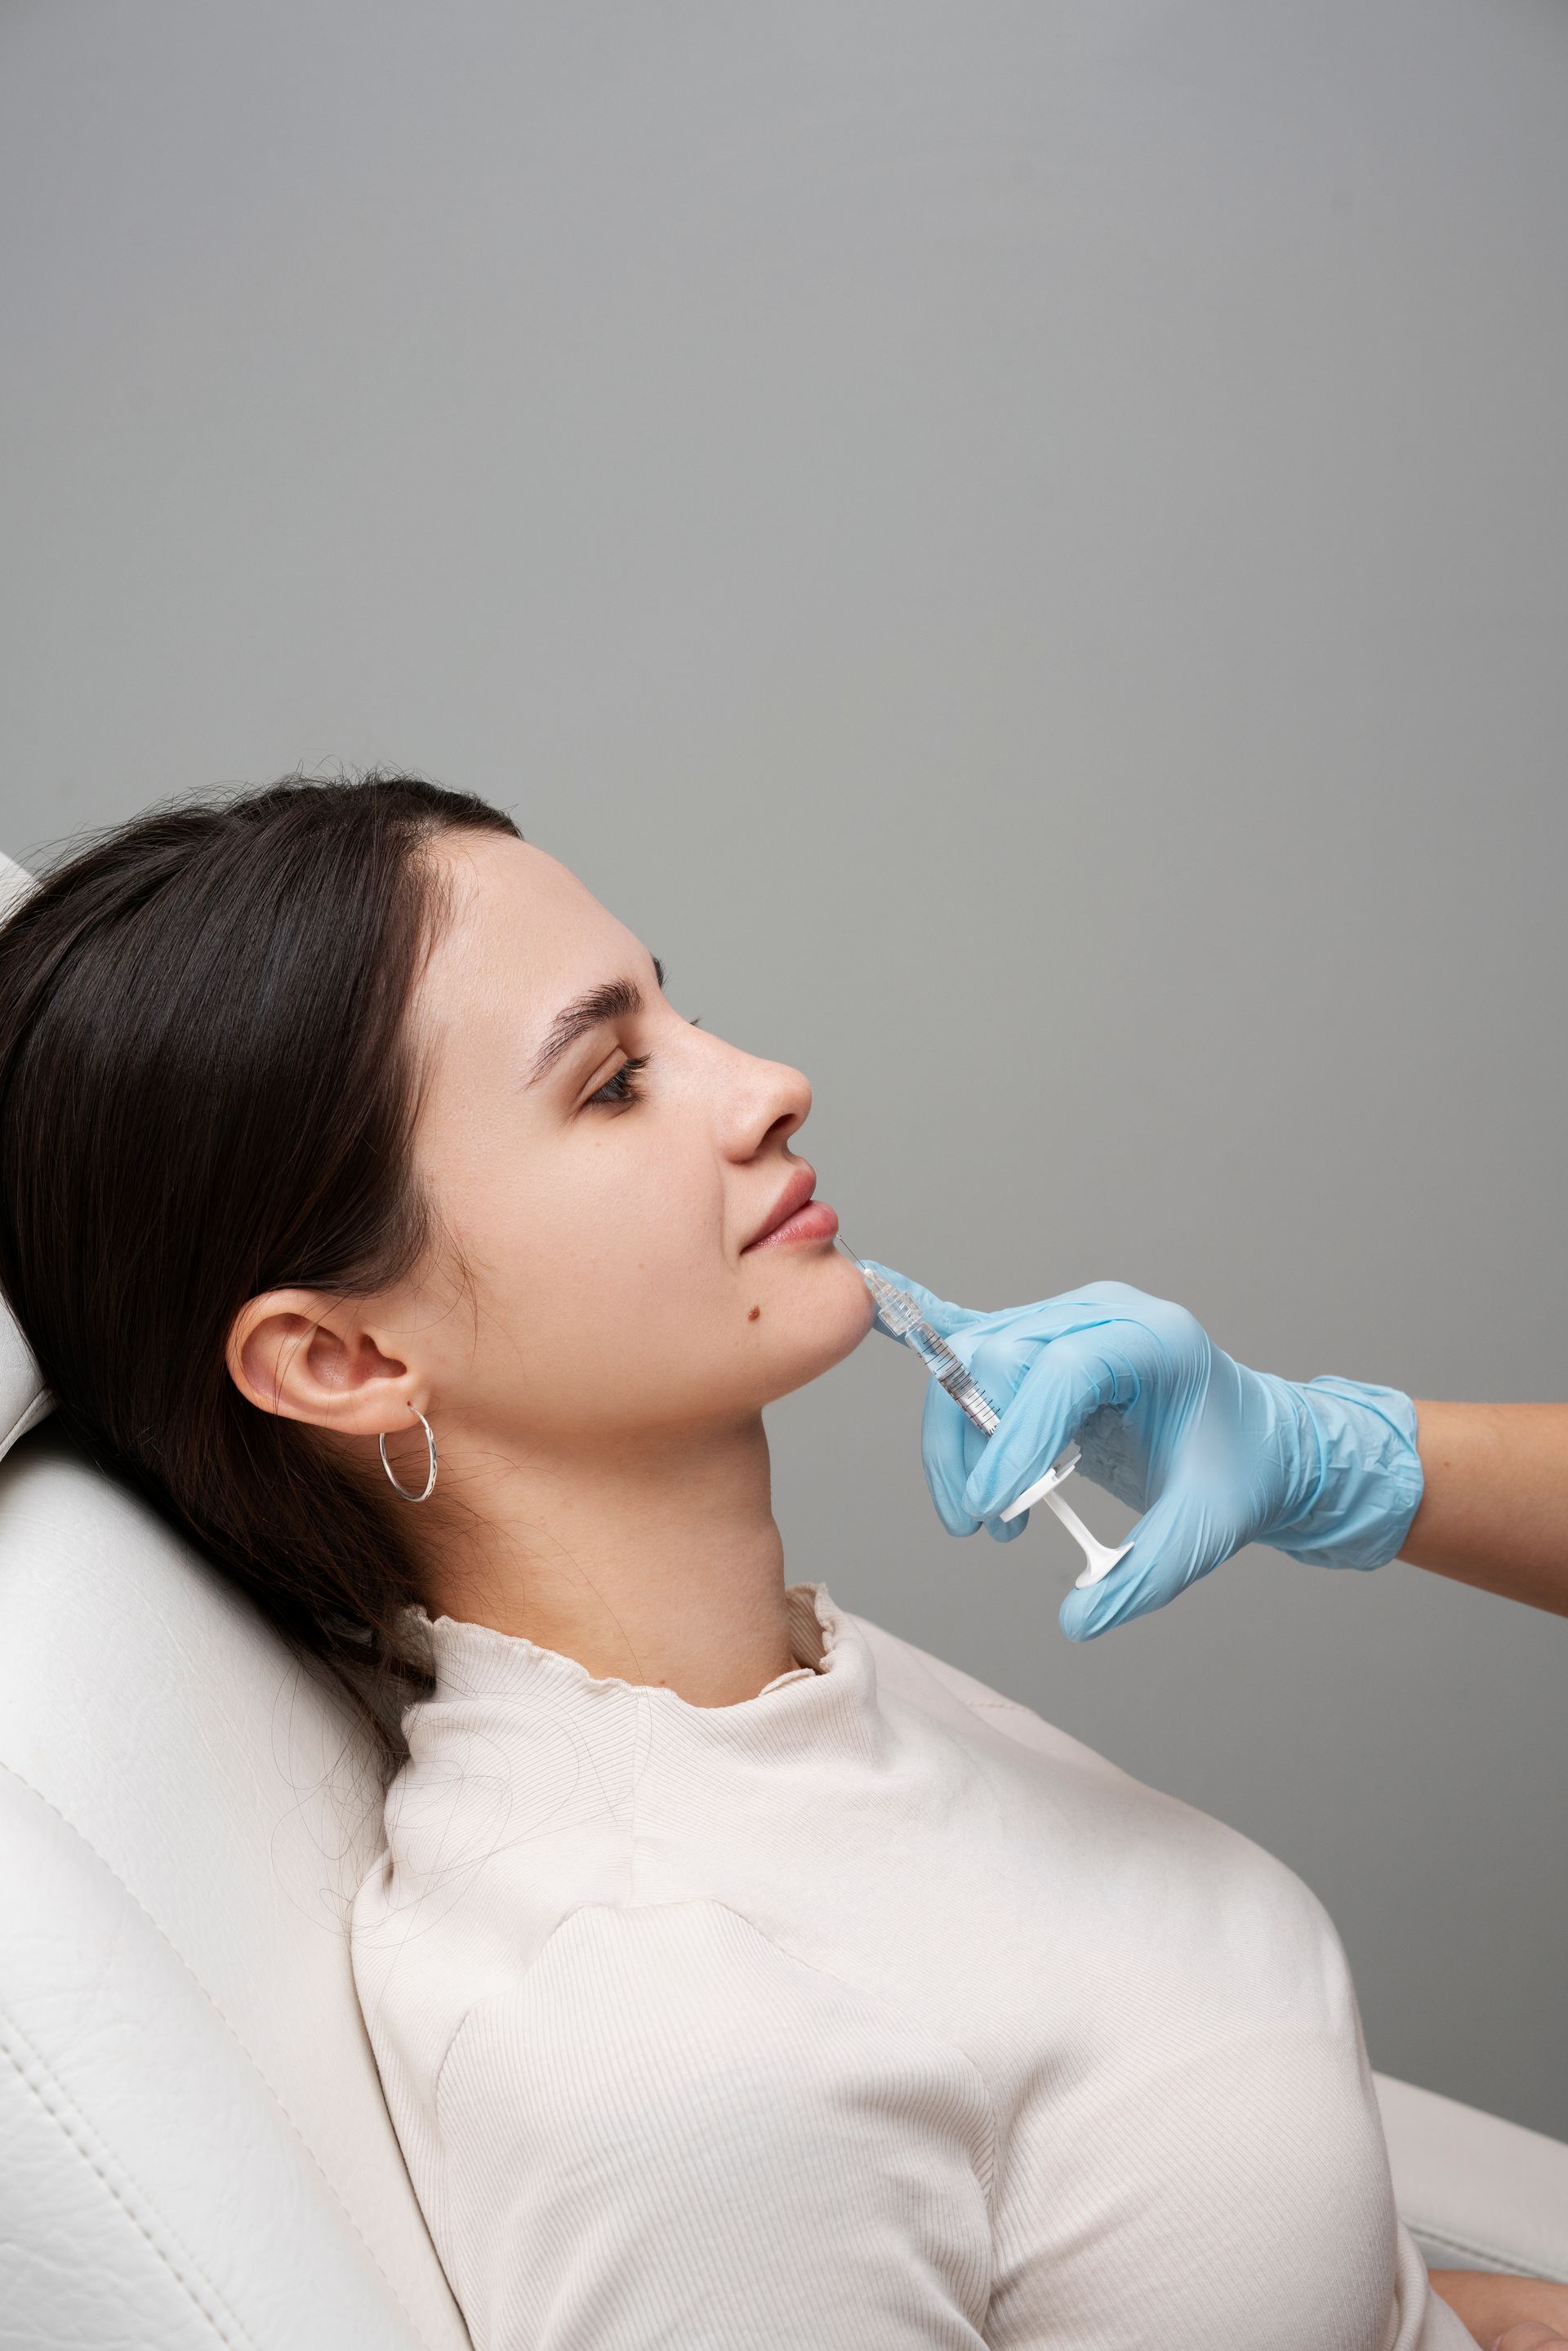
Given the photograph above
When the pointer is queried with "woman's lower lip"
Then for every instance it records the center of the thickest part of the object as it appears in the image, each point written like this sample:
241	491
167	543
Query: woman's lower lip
815	1222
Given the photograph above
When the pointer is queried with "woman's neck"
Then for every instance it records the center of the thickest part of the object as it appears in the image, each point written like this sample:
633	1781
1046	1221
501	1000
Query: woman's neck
655	1562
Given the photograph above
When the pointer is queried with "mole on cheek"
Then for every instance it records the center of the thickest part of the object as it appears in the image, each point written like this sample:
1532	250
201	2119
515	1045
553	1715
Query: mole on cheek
754	1313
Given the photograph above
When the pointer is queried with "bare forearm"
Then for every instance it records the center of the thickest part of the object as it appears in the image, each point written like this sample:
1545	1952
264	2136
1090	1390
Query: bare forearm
1495	1508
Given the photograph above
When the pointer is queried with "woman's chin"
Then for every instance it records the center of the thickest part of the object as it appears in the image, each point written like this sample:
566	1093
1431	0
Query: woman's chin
821	1320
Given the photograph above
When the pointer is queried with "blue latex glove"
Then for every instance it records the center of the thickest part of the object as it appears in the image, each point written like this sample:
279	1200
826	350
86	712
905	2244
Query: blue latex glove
1215	1456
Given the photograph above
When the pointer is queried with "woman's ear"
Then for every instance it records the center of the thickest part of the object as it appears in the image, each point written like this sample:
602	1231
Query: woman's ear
306	1355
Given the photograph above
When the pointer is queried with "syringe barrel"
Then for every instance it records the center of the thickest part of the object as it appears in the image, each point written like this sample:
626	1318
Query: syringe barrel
904	1320
948	1371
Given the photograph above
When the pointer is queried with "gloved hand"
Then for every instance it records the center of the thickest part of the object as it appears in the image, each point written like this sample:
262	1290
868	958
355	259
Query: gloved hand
1215	1456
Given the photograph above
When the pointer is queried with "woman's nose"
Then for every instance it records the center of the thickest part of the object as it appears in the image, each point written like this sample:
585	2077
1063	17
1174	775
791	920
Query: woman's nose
770	1100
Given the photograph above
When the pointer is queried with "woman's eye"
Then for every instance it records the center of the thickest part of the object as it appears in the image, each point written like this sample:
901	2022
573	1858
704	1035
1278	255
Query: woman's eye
623	1086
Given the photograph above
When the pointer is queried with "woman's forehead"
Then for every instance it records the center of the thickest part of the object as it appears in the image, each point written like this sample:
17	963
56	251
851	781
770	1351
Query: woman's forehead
522	928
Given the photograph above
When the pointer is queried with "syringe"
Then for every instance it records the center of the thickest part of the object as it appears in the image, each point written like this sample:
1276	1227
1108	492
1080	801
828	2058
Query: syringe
902	1316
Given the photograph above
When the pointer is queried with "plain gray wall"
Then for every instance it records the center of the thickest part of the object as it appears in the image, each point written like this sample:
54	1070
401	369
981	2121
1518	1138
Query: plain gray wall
1025	549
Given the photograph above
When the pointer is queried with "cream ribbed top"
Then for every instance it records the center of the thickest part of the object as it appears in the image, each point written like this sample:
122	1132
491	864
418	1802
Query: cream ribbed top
869	2014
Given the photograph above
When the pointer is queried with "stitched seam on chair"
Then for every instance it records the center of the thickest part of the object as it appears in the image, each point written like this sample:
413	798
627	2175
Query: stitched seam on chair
49	1803
63	2126
1440	2233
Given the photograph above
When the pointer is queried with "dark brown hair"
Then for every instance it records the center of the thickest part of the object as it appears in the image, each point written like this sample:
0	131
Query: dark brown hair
208	1088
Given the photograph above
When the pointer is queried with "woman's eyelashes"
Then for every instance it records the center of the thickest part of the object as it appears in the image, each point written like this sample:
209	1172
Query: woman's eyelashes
622	1087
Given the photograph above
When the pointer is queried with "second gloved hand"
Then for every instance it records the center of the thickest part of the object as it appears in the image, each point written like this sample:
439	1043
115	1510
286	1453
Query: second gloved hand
1216	1455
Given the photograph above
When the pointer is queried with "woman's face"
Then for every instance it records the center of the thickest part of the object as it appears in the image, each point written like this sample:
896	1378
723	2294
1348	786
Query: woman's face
606	1169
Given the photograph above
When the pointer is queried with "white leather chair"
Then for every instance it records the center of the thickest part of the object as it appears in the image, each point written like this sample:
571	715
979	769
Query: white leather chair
194	2151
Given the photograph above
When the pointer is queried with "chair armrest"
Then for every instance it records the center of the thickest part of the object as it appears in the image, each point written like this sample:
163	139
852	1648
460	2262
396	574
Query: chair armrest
1475	2192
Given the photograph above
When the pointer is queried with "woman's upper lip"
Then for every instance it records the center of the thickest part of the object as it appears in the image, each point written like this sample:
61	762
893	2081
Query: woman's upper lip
795	1194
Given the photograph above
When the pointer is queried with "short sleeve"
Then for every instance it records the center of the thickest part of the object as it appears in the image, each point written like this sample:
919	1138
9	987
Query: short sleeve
670	2132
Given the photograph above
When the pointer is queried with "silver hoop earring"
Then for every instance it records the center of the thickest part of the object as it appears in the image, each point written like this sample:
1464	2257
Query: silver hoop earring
430	1441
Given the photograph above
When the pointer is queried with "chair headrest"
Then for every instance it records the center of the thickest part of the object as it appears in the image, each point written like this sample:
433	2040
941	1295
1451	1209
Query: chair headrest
24	1398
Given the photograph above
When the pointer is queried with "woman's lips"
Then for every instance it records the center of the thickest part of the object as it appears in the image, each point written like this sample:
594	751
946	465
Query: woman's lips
814	1222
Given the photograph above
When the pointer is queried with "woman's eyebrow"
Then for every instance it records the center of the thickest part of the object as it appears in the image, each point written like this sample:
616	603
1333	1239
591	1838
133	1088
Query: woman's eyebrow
612	999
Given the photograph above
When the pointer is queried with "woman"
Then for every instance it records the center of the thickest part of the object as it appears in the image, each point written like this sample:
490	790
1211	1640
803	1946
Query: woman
737	1972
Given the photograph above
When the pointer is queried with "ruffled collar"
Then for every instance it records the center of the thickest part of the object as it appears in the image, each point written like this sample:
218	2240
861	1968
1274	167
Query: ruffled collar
829	1694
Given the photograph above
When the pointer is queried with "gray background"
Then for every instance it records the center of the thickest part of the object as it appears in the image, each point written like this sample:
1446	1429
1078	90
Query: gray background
1025	549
